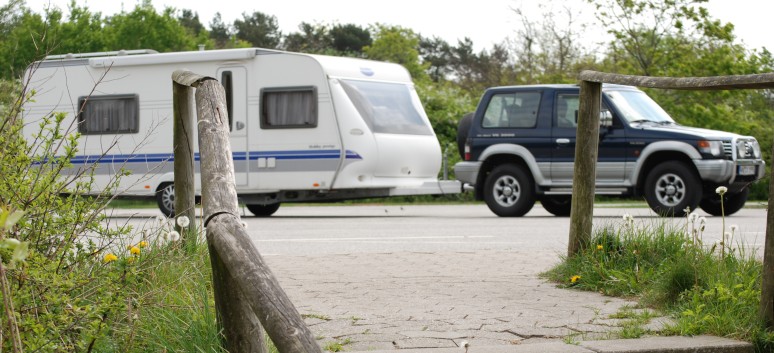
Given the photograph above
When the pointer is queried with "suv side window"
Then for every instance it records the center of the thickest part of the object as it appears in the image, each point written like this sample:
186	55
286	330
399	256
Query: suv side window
512	110
567	110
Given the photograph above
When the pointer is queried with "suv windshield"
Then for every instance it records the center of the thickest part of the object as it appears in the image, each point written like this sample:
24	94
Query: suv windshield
386	107
636	106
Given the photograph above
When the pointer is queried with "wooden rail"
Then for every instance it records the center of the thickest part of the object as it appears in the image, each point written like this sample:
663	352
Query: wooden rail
588	142
247	294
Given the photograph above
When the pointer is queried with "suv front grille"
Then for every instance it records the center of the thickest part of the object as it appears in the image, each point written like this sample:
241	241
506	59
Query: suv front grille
728	149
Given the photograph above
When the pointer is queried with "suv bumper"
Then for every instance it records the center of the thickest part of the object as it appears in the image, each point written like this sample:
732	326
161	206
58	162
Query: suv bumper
467	172
727	172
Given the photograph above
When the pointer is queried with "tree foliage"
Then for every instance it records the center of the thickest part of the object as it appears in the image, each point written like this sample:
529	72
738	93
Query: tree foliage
258	29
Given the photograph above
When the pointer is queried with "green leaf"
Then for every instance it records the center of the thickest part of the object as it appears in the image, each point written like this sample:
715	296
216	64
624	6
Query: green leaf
13	218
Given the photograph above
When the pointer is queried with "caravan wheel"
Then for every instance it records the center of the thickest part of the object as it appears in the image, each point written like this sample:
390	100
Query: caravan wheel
263	210
165	197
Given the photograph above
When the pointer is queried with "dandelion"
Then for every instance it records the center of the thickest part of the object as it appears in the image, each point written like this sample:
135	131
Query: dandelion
183	221
734	228
161	219
628	220
721	190
599	247
702	223
575	279
109	257
130	260
174	236
134	250
693	217
143	244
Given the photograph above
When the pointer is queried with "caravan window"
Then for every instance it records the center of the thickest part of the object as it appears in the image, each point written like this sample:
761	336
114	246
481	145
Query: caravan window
293	107
110	114
386	107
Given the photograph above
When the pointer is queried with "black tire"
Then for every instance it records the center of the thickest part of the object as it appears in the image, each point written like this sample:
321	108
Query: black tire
508	191
557	205
165	198
263	210
732	203
463	128
671	187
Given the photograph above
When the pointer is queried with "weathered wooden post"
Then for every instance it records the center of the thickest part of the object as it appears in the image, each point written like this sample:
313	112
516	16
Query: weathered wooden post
245	288
584	175
182	140
767	285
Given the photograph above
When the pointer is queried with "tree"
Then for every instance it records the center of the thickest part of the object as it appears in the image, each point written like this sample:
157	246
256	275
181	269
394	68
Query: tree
190	20
398	45
144	28
258	29
350	38
436	53
310	39
219	31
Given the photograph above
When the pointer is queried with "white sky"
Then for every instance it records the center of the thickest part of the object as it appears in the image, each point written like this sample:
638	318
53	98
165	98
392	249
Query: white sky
486	22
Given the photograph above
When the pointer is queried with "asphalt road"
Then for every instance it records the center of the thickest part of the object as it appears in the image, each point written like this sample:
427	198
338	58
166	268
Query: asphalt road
336	229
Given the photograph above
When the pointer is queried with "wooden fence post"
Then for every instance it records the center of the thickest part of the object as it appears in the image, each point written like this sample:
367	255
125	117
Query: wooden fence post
242	278
584	174
767	283
182	140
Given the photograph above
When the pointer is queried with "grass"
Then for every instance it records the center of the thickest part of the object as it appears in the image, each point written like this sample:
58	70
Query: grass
706	289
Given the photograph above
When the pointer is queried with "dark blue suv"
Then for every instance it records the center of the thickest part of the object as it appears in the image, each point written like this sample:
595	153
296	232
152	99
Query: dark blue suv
519	147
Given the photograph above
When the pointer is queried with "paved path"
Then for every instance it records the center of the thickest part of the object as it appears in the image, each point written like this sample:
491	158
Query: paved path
421	300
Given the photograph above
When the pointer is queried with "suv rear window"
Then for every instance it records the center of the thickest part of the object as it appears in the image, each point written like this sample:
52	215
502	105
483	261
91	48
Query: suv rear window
512	110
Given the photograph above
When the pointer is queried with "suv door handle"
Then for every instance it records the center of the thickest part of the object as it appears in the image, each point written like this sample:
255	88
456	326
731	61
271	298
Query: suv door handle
562	141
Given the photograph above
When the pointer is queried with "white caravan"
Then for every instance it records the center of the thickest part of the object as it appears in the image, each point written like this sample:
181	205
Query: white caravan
303	127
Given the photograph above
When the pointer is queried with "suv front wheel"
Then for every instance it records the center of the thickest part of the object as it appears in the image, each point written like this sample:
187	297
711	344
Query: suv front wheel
508	191
671	187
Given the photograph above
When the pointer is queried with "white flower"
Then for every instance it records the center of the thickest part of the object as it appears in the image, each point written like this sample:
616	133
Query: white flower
693	217
721	190
183	221
174	235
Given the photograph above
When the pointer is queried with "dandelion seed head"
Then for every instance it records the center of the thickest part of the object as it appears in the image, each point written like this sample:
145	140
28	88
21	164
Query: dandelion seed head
734	228
174	236
693	217
161	219
721	190
183	221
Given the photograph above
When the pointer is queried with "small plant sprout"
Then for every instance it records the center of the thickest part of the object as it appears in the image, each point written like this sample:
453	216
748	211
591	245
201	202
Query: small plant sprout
183	221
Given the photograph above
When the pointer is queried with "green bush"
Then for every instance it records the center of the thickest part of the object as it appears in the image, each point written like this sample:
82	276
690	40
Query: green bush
708	289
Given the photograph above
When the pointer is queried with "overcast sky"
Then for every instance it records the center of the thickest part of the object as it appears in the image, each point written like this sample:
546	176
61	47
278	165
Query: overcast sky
486	22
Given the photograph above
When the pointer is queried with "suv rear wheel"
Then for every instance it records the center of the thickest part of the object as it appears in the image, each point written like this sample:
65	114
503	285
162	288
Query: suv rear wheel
671	187
508	191
557	205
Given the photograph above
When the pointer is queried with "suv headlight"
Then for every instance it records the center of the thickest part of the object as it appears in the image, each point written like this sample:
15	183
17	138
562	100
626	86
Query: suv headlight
714	148
747	149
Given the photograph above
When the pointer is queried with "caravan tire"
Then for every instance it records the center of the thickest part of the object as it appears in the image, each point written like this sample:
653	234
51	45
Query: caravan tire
263	210
165	198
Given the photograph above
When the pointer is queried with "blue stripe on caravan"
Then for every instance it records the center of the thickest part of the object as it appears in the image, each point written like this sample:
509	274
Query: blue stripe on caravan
237	156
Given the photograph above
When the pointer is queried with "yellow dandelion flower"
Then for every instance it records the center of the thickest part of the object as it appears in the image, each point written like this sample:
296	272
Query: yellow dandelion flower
130	260
143	244
599	247
134	250
109	257
575	278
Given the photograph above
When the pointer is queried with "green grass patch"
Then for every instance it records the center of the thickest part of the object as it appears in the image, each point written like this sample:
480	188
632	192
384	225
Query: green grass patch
706	289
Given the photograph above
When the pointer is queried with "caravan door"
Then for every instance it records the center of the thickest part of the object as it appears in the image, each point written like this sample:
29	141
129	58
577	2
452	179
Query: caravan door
234	81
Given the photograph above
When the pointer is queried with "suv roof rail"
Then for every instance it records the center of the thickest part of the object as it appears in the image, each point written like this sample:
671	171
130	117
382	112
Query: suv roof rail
101	53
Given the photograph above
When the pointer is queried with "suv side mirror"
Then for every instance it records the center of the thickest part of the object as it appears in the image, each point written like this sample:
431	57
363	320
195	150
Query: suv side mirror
605	118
